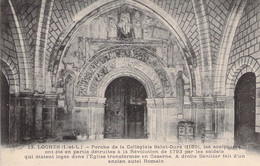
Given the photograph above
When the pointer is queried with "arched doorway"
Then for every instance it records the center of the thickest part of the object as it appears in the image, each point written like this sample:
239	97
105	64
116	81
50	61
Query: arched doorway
245	104
125	110
4	109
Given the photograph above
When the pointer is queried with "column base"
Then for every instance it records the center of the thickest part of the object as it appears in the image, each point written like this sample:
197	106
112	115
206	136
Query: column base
92	137
208	136
39	134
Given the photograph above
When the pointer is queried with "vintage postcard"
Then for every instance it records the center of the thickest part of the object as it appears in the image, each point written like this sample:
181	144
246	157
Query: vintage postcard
130	82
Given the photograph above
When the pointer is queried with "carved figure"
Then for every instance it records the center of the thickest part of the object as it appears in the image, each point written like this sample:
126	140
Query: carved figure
112	29
138	32
102	28
124	25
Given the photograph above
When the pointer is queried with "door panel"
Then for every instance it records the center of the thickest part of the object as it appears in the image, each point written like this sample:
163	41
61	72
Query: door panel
135	121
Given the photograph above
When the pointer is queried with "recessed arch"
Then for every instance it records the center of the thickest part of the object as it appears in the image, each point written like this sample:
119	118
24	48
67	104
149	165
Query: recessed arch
127	72
95	10
245	109
240	67
11	74
120	58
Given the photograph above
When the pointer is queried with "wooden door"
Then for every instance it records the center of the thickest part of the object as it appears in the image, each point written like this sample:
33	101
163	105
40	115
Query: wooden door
125	109
135	121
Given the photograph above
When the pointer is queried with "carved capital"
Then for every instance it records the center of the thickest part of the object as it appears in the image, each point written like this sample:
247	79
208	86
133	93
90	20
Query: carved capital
158	103
50	100
170	102
89	102
38	99
26	99
150	103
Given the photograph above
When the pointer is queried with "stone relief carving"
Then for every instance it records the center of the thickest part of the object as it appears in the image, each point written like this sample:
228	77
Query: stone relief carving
180	89
136	32
76	58
124	25
136	53
137	26
112	28
69	92
120	25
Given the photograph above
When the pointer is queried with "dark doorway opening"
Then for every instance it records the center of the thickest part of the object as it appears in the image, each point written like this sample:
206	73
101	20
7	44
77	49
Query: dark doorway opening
4	109
245	104
125	110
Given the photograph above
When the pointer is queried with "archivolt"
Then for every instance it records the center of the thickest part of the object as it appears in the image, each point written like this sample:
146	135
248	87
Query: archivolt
138	63
11	74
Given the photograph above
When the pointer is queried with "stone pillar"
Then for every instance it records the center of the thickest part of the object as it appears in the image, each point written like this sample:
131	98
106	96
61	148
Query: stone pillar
257	118
220	116
209	117
199	116
99	113
151	119
171	118
187	111
229	120
88	116
92	105
27	116
160	119
14	119
38	103
48	120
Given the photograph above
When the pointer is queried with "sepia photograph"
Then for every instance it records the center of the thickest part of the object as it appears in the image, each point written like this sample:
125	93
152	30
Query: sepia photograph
130	82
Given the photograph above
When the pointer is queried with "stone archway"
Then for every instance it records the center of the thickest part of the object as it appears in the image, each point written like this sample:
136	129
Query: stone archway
239	68
245	102
114	63
115	59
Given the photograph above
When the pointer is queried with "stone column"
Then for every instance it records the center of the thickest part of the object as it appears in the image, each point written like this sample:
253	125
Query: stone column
187	111
81	116
100	117
257	118
88	116
209	117
160	119
257	114
49	108
229	120
14	119
159	112
38	103
199	116
27	114
151	119
171	118
219	116
92	105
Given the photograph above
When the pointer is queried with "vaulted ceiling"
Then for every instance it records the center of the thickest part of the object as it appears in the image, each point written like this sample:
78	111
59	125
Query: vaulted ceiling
35	32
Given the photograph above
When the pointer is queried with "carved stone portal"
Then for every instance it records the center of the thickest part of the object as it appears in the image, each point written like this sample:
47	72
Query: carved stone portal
116	58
